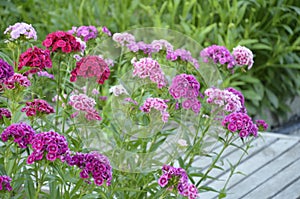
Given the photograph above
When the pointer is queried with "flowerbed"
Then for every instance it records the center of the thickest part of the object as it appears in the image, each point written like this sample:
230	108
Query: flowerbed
90	114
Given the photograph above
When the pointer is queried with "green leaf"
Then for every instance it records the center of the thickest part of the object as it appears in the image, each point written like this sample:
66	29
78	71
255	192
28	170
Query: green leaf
272	97
261	46
29	187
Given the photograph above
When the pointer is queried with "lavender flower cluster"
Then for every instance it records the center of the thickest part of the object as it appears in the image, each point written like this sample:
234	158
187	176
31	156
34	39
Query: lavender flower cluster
186	87
21	29
87	32
177	177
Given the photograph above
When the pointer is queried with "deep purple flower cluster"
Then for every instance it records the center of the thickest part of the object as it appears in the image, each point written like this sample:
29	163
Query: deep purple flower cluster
219	55
5	181
240	123
50	143
21	132
262	125
158	104
177	177
227	100
16	80
148	67
36	107
6	70
183	55
87	32
243	56
4	112
186	87
94	164
21	29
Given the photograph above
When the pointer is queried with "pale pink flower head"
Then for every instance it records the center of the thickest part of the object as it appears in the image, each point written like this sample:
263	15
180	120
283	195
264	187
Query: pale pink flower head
149	68
243	56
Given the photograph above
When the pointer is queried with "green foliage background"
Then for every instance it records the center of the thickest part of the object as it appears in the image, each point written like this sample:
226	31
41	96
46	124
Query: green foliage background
270	29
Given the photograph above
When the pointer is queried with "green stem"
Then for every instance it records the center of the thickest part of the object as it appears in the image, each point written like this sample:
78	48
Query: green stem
226	144
58	91
40	181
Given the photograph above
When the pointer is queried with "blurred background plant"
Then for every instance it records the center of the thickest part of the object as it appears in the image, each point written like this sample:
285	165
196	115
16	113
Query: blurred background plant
270	29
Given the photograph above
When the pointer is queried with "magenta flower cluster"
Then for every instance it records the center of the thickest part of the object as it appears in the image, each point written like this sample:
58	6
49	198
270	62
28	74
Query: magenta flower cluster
240	123
21	29
148	67
219	55
21	133
37	107
225	99
86	32
16	80
6	70
85	104
106	31
5	181
243	56
50	143
262	125
4	112
177	177
158	104
92	164
186	87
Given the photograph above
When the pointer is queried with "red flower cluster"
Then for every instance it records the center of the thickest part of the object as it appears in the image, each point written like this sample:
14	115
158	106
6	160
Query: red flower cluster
36	58
91	66
38	106
61	40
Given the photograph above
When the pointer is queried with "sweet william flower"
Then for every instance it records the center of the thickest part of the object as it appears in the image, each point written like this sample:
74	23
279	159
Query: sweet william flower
63	41
86	32
21	133
16	80
6	70
37	107
243	56
91	66
5	183
21	29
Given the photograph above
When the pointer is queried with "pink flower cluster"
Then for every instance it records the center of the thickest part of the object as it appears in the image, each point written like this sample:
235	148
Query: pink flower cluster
36	58
92	164
85	104
218	54
87	32
227	100
243	56
21	133
61	40
262	125
4	112
123	38
183	55
91	66
186	87
177	177
16	80
158	104
37	107
50	143
5	181
240	123
158	45
6	70
148	67
21	29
